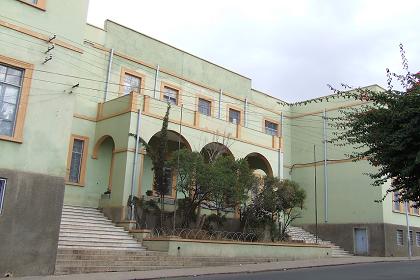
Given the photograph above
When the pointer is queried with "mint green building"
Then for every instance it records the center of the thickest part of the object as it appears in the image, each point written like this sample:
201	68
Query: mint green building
72	95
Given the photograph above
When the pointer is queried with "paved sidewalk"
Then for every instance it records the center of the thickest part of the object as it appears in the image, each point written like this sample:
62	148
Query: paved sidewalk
248	268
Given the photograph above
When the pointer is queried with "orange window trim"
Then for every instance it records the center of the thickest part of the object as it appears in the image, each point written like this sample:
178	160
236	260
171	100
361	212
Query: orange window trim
265	120
84	158
241	114
164	85
24	96
125	71
40	5
197	102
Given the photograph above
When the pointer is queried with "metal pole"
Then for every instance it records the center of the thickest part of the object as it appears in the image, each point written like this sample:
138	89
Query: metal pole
134	173
281	150
108	76
316	200
177	166
325	166
156	78
408	228
220	104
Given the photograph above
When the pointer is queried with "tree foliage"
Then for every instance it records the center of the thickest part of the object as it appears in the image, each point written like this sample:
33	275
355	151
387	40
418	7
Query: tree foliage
275	204
386	132
220	185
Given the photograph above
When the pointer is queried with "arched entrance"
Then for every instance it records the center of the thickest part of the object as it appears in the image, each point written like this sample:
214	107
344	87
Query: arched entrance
103	153
213	150
175	142
259	164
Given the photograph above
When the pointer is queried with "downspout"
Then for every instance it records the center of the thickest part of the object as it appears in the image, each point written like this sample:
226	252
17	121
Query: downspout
134	173
108	76
281	148
220	104
156	78
325	166
246	113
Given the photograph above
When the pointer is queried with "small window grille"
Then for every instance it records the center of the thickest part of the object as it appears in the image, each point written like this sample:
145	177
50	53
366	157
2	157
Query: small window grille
400	237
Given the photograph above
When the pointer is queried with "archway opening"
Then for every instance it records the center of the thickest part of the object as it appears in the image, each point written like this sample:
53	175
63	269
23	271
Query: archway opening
103	153
213	150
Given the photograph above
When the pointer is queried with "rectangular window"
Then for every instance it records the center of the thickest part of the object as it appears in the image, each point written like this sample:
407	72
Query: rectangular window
2	192
77	160
415	209
400	237
204	107
234	116
396	202
168	181
170	95
131	83
418	239
411	237
35	3
10	89
271	128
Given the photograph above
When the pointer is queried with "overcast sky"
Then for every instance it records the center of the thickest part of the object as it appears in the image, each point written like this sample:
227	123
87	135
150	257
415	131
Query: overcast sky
290	49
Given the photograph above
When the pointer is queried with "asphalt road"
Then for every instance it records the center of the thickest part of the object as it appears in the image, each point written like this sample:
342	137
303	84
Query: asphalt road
406	270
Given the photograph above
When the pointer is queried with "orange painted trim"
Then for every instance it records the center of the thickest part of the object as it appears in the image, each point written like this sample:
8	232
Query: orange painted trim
213	132
24	97
211	100
146	103
265	120
39	36
234	108
84	117
82	175
196	119
134	73
40	5
164	85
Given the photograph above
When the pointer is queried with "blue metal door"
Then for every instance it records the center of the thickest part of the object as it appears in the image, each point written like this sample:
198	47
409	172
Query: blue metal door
361	241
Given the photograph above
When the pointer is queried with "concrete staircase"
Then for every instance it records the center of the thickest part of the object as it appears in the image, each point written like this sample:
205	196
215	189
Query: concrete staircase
299	234
89	242
88	228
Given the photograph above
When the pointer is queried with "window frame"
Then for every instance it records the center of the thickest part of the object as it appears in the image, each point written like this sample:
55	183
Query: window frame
130	72
208	100
82	175
173	185
234	108
164	85
417	239
2	195
265	120
27	69
41	4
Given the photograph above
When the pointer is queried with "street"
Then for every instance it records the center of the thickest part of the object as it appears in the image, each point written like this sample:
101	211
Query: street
405	270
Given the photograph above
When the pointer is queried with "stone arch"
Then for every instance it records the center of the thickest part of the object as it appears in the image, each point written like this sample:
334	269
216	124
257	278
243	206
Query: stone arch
257	161
214	149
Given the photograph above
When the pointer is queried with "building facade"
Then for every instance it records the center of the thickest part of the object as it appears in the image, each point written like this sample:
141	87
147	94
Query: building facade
73	95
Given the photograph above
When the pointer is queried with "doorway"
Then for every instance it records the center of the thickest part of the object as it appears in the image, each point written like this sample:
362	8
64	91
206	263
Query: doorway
360	241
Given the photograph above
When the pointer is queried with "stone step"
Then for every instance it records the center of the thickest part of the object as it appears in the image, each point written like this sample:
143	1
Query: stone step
86	227
107	252
92	269
97	247
85	219
76	212
99	239
103	244
99	234
80	223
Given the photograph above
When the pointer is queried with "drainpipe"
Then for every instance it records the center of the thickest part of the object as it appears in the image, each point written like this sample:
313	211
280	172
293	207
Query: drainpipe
407	208
156	78
220	104
281	151
133	175
108	76
246	113
325	166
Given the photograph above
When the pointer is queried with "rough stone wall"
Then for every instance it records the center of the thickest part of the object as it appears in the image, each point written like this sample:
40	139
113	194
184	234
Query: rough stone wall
30	223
